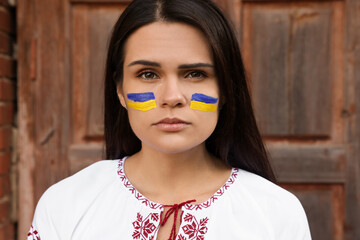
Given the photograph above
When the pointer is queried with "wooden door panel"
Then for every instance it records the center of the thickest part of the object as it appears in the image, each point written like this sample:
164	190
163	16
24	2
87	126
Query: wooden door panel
294	53
91	27
308	163
268	70
289	50
83	155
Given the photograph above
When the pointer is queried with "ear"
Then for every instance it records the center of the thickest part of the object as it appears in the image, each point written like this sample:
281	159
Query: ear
121	96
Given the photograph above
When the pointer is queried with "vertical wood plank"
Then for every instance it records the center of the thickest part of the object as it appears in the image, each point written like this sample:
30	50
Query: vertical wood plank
51	101
270	41
26	139
353	109
337	72
43	102
91	28
311	81
101	21
80	63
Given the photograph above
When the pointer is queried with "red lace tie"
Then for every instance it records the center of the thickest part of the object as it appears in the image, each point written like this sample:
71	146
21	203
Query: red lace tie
173	209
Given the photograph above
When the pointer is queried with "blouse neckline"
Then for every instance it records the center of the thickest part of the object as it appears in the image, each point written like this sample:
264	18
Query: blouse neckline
154	205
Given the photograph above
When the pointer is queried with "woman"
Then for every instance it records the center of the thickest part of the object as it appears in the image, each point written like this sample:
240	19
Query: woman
178	118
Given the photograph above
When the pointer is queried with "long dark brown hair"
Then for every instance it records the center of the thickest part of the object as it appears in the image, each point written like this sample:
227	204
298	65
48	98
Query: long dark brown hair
236	139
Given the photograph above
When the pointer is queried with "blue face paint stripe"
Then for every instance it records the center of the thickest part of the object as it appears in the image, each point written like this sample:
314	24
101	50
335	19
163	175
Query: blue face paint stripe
203	98
141	97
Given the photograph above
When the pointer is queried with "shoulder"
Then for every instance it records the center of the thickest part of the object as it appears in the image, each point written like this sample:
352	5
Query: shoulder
72	196
92	177
261	188
280	209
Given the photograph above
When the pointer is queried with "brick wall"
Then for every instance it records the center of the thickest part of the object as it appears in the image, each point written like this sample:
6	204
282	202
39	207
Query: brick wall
7	123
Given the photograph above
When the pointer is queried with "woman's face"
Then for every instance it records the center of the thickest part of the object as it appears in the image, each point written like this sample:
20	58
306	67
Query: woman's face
169	62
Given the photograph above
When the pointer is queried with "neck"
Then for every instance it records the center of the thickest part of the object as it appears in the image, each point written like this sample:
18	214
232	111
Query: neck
175	163
170	172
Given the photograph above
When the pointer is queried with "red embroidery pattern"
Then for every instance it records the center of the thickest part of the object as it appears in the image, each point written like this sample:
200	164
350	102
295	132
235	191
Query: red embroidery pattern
194	230
218	194
145	228
133	190
33	234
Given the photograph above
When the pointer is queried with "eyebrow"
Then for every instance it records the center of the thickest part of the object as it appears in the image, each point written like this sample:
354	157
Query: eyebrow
195	65
145	62
183	66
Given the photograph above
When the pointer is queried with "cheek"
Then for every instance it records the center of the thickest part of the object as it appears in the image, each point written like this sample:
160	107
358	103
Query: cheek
138	121
206	122
137	117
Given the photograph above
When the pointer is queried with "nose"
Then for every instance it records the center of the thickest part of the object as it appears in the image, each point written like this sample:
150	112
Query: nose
171	94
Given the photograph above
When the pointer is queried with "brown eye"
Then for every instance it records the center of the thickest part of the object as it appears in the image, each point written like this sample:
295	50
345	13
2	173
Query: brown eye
196	74
147	75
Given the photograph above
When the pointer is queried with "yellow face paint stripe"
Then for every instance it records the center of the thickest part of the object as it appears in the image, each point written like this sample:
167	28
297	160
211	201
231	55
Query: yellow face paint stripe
206	107
142	106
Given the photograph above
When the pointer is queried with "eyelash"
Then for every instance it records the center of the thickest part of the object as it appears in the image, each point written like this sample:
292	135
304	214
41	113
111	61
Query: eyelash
146	72
142	74
203	75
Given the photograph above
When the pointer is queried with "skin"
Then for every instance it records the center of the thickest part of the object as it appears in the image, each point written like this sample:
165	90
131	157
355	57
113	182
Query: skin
172	60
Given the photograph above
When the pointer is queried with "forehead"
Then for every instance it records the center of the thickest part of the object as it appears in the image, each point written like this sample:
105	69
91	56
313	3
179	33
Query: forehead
169	42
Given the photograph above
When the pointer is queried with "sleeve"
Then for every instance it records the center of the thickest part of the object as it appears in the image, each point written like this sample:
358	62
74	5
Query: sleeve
302	225
295	225
33	234
42	226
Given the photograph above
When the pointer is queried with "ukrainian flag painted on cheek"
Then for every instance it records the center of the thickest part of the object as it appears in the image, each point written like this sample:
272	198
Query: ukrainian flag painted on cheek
141	101
203	102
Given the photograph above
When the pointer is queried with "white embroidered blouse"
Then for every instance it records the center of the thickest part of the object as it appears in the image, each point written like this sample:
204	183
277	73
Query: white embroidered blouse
99	202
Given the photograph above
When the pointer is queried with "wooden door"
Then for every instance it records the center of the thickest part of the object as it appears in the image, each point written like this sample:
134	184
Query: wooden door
303	61
296	54
62	49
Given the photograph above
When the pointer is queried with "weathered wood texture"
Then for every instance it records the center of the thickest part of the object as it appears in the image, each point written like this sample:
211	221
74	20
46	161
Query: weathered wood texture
44	100
290	50
303	59
353	112
91	28
62	49
82	155
300	163
26	96
52	94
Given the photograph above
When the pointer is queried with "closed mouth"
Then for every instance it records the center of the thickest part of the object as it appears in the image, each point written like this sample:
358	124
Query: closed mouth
172	121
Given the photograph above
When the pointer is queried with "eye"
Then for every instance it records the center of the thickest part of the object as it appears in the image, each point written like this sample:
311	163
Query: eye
196	75
147	75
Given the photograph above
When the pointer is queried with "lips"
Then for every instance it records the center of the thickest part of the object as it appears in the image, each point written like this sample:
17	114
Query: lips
172	121
171	124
